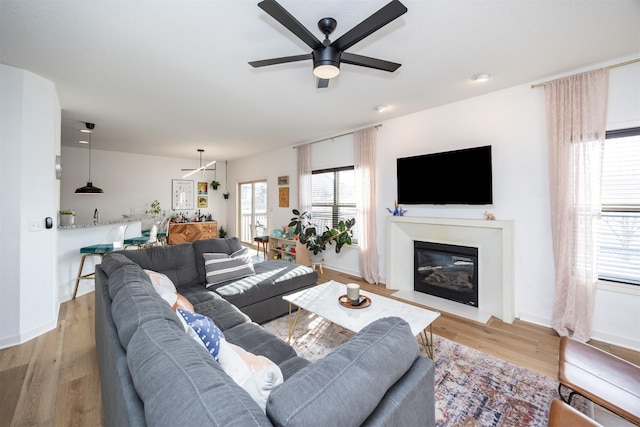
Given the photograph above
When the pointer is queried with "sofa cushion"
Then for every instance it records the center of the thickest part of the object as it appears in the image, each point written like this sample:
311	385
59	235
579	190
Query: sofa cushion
223	313
222	268
191	389
227	246
178	262
135	302
351	381
113	261
272	279
257	340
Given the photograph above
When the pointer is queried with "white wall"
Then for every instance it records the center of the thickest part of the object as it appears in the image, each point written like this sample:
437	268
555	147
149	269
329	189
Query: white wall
130	183
29	142
512	121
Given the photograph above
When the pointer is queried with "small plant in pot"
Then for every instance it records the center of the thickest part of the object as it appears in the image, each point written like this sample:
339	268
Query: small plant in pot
215	184
317	241
67	217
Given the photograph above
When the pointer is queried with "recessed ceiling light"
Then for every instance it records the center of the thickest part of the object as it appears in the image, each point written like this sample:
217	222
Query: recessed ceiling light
381	108
481	77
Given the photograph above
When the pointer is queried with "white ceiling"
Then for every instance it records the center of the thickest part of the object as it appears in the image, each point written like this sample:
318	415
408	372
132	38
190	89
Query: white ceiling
169	77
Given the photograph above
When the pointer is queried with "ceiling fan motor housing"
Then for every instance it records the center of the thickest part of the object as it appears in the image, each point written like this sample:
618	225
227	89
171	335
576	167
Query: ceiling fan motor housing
326	55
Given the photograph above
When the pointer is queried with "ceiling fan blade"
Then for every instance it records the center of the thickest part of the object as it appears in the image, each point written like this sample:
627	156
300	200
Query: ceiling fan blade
282	60
281	15
370	25
367	61
323	83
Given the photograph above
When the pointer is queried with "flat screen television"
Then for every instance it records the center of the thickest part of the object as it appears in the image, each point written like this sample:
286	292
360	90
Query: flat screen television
460	177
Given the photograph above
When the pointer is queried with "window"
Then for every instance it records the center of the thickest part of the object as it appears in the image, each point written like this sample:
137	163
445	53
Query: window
333	197
620	225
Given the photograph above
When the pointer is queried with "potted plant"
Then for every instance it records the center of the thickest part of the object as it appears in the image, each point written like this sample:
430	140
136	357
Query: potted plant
67	217
316	241
215	184
222	233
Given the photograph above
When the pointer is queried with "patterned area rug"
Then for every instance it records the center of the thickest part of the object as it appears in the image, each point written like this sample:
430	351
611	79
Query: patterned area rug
471	388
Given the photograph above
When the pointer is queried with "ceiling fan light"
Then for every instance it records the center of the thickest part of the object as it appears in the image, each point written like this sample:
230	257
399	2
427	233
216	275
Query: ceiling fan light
326	71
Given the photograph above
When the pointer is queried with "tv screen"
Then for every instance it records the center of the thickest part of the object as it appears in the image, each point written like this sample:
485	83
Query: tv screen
461	177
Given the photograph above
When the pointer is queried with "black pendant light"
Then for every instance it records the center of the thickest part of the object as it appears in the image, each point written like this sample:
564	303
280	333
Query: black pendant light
89	188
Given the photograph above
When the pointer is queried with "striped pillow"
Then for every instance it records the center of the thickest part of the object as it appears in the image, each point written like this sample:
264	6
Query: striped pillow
222	268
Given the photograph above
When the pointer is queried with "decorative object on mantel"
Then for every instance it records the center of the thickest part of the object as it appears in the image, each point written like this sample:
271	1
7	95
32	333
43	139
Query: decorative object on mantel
67	217
489	216
89	188
397	210
317	243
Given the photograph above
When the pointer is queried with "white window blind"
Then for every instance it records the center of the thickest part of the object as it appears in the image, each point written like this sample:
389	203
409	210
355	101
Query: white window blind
333	198
620	226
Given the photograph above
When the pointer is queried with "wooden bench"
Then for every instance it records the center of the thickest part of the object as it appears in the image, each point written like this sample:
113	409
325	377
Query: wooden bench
601	377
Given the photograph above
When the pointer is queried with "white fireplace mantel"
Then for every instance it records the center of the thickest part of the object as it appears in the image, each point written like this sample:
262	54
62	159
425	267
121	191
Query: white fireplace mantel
494	240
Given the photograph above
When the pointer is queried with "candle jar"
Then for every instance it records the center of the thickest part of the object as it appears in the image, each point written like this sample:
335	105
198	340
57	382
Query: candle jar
353	292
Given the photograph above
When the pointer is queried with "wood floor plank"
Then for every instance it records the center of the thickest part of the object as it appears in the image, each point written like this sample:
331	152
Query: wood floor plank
39	393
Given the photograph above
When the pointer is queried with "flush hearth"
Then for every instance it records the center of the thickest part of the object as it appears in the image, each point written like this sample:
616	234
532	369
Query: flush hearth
447	271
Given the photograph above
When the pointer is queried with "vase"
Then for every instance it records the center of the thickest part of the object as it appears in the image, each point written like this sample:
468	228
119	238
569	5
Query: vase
67	220
316	258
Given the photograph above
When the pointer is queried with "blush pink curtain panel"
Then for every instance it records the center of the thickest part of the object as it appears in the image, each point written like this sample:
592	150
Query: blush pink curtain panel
303	153
365	171
576	112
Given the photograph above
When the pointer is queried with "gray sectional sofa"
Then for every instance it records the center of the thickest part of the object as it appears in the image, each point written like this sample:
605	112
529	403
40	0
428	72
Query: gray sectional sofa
153	373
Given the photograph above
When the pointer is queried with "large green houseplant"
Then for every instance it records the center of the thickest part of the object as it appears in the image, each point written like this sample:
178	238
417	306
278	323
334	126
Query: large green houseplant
317	241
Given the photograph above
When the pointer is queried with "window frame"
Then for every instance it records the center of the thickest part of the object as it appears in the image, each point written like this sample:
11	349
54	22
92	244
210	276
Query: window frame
611	283
337	204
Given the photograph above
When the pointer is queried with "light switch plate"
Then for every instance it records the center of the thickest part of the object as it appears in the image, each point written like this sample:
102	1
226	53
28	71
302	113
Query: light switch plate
35	226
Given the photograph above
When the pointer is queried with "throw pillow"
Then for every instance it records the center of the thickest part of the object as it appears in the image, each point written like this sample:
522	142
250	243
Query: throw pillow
167	290
203	330
222	268
257	375
163	285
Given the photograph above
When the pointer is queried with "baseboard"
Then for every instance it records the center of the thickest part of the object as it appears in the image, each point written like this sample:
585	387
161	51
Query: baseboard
616	340
29	335
595	334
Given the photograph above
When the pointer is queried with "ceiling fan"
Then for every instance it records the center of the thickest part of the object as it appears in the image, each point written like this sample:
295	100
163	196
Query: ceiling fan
201	168
327	55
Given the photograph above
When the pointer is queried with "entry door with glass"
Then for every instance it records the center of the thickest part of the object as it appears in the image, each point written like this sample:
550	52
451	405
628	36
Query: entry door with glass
253	210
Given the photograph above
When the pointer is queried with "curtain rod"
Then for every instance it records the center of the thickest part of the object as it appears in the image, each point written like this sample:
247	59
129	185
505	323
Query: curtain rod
334	137
632	61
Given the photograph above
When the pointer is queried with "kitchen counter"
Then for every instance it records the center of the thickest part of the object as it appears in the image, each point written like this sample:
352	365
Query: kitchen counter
119	221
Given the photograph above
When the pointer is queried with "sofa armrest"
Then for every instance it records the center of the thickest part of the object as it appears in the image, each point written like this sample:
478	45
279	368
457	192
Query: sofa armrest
346	387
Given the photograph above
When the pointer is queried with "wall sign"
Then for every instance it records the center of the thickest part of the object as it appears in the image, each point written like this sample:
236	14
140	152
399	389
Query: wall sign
283	197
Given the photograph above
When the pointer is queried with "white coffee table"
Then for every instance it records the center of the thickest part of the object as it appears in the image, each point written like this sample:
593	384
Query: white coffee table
323	301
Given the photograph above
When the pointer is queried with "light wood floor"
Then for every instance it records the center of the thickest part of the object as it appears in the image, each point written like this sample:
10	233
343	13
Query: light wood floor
53	379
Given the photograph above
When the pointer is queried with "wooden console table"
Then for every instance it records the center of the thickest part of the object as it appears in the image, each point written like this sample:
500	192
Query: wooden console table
191	231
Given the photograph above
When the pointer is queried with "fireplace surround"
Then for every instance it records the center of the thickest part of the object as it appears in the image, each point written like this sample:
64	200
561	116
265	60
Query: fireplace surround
494	240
